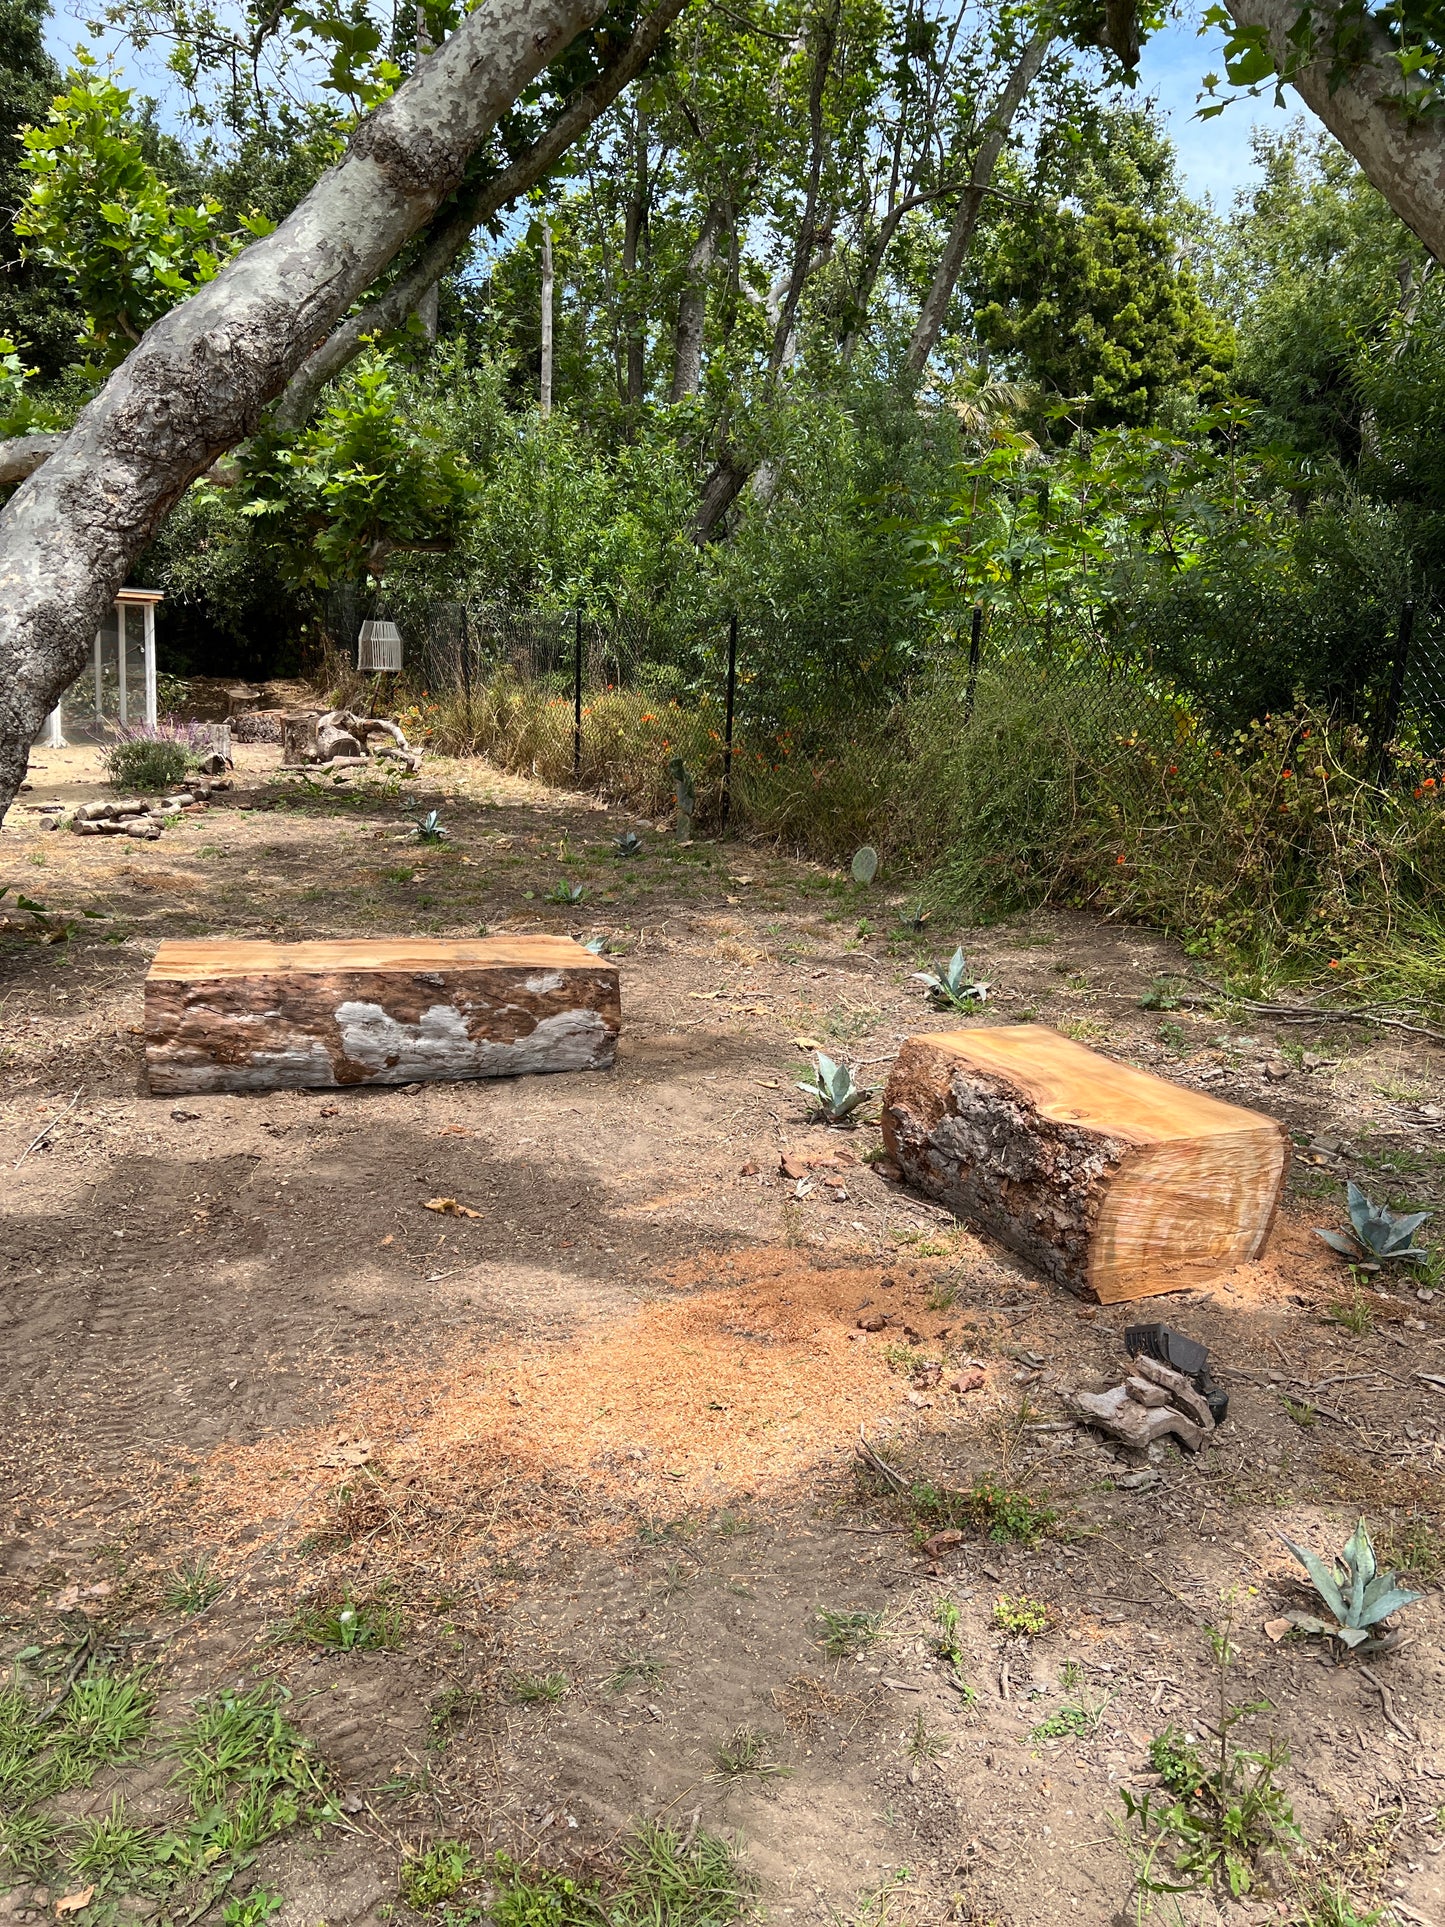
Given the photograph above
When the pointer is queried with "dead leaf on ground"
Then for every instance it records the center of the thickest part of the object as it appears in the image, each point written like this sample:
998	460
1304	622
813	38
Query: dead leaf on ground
941	1541
807	1043
75	1595
73	1903
450	1208
1276	1629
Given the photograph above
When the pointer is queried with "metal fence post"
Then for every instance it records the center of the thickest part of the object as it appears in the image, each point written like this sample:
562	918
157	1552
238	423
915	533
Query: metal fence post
1390	716
577	701
729	708
975	645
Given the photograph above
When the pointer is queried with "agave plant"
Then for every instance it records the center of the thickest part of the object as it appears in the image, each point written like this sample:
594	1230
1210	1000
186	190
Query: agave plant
429	828
948	984
833	1090
914	919
628	845
566	892
1381	1236
1359	1596
595	946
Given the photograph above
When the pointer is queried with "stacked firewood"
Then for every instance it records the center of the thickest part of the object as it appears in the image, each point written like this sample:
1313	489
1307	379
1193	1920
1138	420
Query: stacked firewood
335	739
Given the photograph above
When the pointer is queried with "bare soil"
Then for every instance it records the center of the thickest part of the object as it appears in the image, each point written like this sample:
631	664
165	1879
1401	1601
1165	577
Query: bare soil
606	1428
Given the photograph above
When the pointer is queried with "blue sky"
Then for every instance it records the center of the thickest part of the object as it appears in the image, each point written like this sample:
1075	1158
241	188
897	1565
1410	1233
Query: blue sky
1214	155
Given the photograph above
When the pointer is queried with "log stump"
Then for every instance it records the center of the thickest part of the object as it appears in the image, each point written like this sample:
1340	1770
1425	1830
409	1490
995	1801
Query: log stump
1108	1179
243	1016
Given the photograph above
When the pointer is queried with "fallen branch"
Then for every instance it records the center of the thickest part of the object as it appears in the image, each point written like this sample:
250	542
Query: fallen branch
35	1143
1318	1013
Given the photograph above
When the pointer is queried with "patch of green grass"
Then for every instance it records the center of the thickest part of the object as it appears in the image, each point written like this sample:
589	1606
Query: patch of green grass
942	1295
436	1873
923	1743
351	1625
1300	1410
664	1879
192	1587
904	1359
845	1632
634	1669
1414	1546
1353	1314
1020	1615
114	1851
745	1752
246	1772
251	1910
537	1689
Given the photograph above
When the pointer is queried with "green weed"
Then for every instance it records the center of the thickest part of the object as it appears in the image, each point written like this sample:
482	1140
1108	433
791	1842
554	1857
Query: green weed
352	1625
192	1587
1214	1821
437	1873
1021	1616
744	1753
1353	1315
251	1910
537	1689
845	1633
634	1669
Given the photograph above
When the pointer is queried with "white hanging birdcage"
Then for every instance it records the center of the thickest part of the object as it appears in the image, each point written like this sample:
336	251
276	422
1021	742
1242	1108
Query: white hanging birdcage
378	647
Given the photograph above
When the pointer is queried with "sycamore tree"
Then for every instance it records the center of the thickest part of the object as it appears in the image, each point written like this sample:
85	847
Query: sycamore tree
204	374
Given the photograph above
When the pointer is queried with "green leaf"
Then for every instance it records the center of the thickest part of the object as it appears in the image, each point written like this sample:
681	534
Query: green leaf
1389	1602
1325	1582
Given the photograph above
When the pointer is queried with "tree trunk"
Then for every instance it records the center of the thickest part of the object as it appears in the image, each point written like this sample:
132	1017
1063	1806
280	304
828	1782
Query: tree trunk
241	1016
721	489
934	312
473	206
692	305
1107	1179
544	393
1404	159
633	242
201	378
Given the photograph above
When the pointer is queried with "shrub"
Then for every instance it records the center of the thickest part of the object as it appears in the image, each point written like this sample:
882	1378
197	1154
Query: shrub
146	763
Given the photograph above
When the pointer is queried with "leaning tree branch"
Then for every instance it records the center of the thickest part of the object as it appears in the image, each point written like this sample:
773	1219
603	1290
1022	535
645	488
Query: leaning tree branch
458	223
203	377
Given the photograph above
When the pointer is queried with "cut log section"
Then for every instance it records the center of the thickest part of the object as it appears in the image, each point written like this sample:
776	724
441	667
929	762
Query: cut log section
1106	1178
239	1016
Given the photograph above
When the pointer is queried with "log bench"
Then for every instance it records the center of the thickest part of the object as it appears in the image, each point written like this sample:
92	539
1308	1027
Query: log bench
1108	1179
244	1016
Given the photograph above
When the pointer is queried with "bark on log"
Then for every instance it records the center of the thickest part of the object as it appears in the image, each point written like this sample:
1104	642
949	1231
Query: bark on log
298	736
1105	1178
241	1016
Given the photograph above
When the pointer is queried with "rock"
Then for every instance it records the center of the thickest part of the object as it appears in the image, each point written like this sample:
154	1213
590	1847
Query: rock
872	1321
971	1381
941	1542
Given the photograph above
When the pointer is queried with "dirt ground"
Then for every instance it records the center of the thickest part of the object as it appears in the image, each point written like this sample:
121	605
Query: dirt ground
602	1434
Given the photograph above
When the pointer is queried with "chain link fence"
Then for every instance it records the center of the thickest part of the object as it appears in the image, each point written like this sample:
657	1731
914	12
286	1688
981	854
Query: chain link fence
801	736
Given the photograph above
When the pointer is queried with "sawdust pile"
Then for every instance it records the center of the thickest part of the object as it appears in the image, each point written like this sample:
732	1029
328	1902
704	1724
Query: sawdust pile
717	1394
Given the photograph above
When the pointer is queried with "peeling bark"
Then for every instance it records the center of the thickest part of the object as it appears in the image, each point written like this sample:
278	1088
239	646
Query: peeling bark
692	305
201	378
1404	159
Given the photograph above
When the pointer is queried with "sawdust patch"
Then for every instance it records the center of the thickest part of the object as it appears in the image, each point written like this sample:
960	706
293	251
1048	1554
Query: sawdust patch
740	1391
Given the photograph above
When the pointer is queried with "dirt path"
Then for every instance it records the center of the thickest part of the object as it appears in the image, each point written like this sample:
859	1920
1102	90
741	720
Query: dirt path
590	1455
